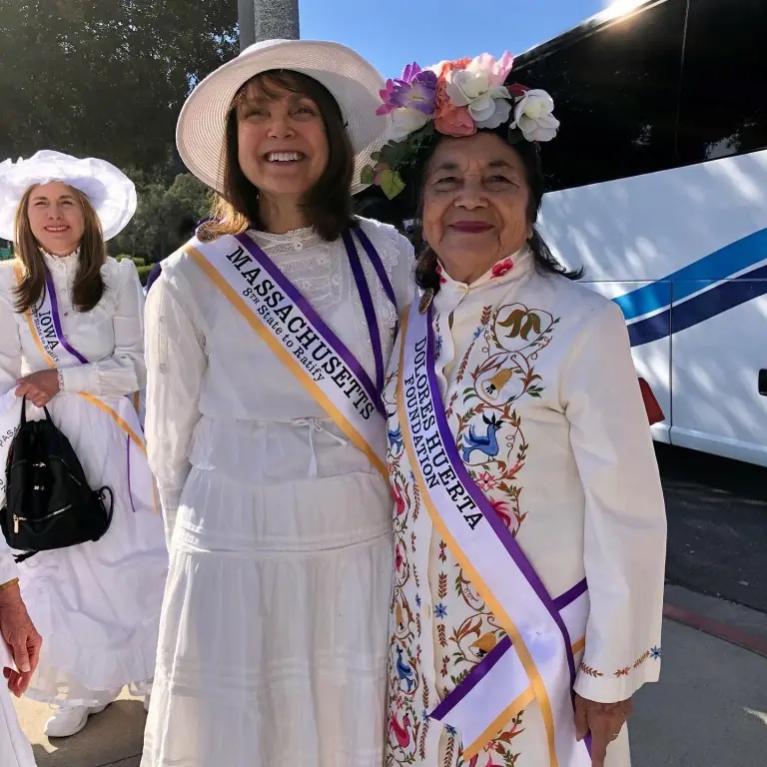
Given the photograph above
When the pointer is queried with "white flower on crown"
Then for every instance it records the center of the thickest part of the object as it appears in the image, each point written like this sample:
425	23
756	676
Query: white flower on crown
533	115
479	87
405	121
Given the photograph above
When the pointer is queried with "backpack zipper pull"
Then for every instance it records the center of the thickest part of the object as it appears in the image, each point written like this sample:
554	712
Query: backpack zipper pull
15	524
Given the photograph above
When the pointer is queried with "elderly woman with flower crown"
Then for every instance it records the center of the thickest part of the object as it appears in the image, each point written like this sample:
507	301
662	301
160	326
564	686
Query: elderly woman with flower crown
529	521
72	342
267	340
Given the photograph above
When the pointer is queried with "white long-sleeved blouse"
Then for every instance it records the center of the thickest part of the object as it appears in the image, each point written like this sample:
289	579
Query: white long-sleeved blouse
110	335
218	398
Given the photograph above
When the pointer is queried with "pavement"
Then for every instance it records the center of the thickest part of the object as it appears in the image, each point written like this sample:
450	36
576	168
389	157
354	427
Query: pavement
709	709
717	525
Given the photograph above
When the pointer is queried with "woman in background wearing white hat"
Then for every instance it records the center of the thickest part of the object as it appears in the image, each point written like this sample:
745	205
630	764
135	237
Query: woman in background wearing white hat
72	340
267	336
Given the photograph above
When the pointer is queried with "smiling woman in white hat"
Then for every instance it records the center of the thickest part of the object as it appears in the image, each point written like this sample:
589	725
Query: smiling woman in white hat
267	339
72	340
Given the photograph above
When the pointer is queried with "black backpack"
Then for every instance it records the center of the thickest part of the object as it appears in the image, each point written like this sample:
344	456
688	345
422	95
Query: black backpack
48	504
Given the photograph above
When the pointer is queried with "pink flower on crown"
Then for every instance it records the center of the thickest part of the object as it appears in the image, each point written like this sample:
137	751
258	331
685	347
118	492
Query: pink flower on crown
450	119
479	87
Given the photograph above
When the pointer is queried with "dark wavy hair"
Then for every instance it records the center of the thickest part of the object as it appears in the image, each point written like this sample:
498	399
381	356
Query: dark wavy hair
328	203
426	267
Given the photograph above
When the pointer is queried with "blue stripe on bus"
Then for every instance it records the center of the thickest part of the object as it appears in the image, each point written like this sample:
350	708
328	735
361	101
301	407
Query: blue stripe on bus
724	296
716	266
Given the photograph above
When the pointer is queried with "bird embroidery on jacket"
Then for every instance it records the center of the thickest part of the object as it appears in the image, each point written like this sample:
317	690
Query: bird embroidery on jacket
400	731
404	671
488	443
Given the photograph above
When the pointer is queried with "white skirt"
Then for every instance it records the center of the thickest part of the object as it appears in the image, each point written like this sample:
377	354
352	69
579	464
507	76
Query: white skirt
97	605
274	630
15	750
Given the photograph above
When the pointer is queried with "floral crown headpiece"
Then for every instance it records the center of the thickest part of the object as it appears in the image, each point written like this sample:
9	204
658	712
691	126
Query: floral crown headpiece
454	98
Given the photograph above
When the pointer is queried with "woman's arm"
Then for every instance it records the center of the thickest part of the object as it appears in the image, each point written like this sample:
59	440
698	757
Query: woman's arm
624	536
176	362
124	371
625	523
10	342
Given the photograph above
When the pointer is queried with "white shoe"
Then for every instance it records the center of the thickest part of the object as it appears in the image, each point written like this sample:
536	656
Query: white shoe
67	721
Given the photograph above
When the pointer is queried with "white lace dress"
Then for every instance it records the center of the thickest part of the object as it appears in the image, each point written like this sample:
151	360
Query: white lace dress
96	605
273	636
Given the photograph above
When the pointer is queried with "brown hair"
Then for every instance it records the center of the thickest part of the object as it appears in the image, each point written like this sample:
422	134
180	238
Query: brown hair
88	285
328	203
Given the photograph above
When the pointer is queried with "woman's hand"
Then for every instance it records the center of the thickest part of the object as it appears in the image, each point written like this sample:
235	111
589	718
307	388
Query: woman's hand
39	388
21	637
603	720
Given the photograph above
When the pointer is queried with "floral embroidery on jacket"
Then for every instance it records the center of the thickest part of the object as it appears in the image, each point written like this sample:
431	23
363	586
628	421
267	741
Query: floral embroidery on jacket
653	652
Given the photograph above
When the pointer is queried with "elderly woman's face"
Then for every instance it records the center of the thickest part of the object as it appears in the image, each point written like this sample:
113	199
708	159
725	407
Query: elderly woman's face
56	217
475	204
282	144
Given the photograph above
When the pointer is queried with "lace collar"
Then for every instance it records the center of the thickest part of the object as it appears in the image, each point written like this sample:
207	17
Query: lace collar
61	264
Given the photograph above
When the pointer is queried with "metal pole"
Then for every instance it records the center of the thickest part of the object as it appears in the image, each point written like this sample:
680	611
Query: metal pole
267	19
247	23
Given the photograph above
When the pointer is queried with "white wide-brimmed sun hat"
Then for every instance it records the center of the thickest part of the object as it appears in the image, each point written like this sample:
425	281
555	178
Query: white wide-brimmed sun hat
110	192
354	83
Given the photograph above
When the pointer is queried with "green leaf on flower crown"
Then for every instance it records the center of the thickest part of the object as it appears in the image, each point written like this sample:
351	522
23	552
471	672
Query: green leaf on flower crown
375	156
367	175
391	183
393	154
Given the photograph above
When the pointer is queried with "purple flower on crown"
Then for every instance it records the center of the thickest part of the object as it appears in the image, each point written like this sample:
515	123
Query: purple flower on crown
414	89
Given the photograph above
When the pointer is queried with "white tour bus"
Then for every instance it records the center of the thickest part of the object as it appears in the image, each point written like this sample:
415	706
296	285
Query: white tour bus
659	191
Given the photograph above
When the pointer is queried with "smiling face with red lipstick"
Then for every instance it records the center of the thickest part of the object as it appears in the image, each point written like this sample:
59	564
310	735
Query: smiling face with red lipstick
56	217
475	204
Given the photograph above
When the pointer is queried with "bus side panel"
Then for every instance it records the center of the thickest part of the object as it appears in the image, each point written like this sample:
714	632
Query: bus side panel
718	351
651	358
699	228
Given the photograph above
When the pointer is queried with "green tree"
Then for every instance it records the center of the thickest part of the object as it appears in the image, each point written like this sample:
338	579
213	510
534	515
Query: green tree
165	218
106	77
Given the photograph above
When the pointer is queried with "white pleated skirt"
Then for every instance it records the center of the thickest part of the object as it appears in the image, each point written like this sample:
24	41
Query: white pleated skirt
97	605
274	629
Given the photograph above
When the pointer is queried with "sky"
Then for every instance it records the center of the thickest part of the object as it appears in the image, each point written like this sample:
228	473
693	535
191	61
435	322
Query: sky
392	33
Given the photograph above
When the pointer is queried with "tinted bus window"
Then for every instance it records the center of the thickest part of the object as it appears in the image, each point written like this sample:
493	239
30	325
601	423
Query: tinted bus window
723	108
616	92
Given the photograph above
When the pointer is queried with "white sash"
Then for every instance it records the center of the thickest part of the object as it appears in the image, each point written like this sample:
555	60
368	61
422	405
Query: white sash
298	336
535	661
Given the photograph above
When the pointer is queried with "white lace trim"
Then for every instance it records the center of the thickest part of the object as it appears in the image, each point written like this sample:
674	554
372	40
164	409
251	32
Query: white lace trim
318	269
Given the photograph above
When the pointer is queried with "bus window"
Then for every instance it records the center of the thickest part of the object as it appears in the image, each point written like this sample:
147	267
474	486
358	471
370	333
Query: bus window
723	107
615	89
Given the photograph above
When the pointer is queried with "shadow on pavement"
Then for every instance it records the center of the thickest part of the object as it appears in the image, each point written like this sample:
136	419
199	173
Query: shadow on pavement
717	525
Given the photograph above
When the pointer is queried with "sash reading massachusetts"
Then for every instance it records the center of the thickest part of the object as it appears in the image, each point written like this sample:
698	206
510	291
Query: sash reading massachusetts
47	332
300	338
535	661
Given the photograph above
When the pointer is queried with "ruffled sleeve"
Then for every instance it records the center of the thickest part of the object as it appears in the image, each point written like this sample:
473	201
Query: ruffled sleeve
10	341
625	523
176	362
124	371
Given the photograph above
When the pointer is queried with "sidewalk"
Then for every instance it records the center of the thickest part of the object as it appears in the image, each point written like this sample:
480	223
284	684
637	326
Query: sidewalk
710	707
